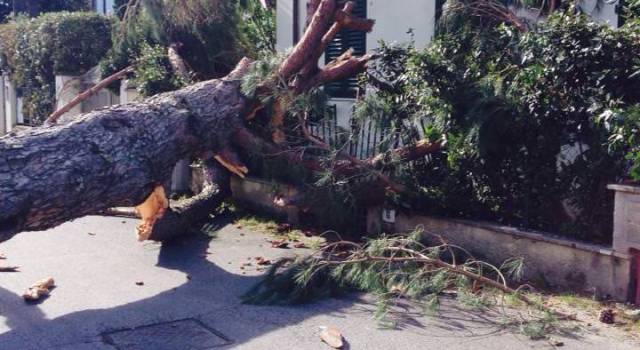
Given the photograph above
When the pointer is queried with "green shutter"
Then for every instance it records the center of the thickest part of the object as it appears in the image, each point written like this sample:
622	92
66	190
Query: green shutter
344	40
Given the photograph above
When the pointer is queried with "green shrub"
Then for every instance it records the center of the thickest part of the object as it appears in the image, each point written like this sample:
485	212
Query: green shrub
153	72
35	50
512	107
211	35
81	42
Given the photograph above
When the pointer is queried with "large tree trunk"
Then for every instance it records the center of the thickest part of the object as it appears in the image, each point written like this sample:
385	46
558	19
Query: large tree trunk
120	155
111	157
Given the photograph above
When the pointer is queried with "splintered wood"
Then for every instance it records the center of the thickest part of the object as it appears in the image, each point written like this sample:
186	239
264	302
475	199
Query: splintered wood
332	337
39	289
150	211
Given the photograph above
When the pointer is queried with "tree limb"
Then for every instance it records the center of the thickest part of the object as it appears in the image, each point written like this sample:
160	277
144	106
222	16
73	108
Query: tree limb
53	118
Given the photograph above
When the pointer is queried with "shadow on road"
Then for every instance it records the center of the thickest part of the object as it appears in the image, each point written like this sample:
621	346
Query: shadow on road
211	295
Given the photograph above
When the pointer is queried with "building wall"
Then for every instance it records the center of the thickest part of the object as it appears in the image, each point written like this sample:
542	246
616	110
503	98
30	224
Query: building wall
103	6
602	11
394	19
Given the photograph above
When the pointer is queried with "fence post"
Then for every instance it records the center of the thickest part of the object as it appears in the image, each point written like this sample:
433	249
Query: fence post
626	229
3	120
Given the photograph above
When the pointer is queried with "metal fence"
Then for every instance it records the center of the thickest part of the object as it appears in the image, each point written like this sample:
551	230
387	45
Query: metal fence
362	140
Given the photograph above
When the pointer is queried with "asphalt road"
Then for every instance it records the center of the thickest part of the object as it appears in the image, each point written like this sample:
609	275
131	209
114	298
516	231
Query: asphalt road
114	292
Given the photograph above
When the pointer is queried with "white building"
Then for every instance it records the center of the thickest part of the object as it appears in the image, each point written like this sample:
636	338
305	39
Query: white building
394	19
104	7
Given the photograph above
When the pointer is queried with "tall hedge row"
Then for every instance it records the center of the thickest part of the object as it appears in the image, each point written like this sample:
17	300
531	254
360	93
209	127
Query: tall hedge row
34	50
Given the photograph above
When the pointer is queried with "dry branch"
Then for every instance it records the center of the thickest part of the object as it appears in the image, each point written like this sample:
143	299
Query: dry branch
53	118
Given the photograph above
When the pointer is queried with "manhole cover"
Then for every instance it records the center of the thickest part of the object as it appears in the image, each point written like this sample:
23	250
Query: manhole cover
189	334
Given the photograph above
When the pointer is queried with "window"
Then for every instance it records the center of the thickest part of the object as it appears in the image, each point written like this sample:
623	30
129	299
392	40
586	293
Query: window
343	41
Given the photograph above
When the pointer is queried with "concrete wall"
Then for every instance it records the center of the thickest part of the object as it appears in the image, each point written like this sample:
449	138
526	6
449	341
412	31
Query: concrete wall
128	92
555	262
67	88
10	104
259	195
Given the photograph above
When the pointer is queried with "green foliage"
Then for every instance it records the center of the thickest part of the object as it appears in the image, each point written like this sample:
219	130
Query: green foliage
153	72
35	50
403	274
632	9
258	26
120	6
36	7
6	7
81	40
519	113
210	35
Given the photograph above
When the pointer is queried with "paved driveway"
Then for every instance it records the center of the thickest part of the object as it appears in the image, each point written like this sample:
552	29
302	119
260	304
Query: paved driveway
189	299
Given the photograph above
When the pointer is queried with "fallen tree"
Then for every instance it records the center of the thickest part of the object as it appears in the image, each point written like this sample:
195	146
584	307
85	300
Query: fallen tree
118	156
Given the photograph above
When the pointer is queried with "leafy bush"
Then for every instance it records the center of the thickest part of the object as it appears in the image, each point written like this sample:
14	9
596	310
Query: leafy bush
258	26
35	50
521	114
153	72
211	35
81	42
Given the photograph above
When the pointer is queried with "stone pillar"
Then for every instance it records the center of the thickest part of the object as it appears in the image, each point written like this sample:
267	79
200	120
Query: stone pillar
19	114
3	122
67	88
10	104
128	92
626	218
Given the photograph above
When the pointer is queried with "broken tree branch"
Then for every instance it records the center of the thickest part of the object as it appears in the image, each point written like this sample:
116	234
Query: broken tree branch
118	156
53	118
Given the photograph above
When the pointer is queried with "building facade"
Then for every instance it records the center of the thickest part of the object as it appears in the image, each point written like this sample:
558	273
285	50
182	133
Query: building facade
397	21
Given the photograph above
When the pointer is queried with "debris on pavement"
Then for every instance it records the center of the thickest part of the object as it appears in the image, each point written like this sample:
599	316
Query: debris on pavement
281	243
332	337
139	283
2	256
262	261
283	227
607	316
39	289
556	342
9	269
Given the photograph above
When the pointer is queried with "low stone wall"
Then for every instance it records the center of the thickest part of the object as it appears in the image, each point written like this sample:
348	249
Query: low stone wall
549	261
259	195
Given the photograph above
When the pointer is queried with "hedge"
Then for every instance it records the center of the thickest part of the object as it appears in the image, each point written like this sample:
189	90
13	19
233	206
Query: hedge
34	51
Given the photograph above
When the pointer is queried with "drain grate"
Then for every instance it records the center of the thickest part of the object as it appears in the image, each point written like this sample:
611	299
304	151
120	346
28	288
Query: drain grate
188	334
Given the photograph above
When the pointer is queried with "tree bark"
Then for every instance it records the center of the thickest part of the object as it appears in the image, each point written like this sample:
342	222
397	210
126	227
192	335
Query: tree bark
112	157
118	156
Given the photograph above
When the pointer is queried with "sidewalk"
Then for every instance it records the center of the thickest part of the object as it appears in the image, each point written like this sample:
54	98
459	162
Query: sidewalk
189	300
